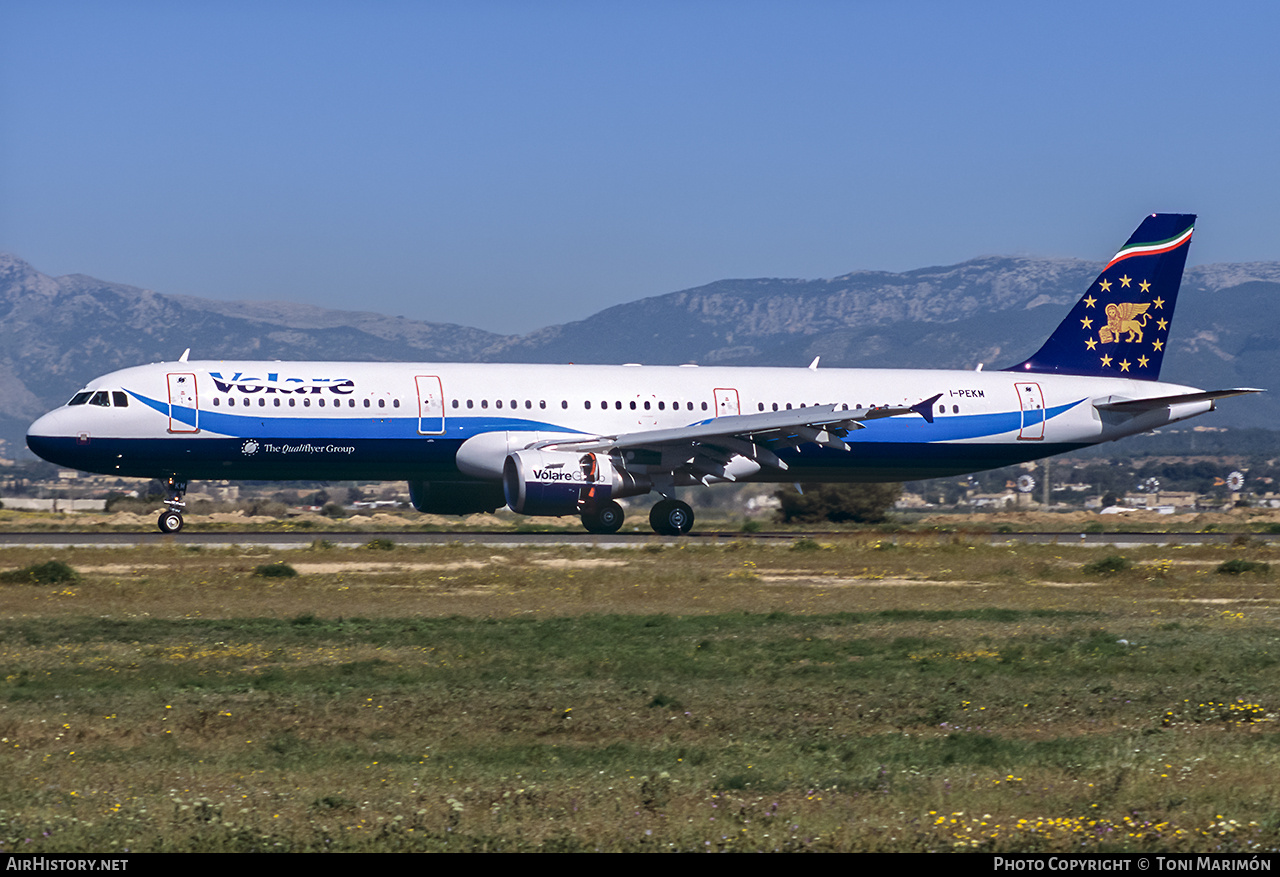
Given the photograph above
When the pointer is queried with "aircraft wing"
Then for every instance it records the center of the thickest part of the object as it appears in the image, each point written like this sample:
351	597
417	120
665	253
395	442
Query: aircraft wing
705	449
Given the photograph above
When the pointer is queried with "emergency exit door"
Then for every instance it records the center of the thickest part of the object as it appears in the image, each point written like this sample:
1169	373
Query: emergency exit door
184	407
1031	400
430	405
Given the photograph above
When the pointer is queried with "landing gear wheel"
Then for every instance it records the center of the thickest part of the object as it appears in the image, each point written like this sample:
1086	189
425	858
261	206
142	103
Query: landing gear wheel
604	519
171	519
671	517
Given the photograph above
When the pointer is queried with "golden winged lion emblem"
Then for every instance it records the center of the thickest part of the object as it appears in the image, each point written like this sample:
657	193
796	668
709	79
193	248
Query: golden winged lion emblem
1122	318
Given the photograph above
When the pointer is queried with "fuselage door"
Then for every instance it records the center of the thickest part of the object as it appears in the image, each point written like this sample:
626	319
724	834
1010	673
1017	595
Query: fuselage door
1031	399
430	405
726	402
646	405
184	408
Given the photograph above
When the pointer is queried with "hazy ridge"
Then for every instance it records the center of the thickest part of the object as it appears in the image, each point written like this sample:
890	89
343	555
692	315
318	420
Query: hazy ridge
58	332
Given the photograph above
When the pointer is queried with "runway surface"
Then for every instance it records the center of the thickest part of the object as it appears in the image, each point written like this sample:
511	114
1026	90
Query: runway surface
63	539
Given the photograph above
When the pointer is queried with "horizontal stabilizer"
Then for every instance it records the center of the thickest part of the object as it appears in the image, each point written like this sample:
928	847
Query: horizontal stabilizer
1134	406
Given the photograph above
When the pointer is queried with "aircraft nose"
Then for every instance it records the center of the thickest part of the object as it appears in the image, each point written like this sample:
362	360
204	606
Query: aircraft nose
44	438
40	445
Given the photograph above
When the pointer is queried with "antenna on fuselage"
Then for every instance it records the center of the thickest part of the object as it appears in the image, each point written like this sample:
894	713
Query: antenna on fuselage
813	366
185	354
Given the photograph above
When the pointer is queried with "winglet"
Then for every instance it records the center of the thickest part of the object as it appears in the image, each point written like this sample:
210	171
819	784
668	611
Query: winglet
925	408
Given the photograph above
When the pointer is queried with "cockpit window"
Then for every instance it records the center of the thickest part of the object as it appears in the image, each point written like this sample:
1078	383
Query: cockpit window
80	398
101	398
119	399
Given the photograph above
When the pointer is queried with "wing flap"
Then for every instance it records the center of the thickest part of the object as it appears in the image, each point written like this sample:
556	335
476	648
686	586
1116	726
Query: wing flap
706	448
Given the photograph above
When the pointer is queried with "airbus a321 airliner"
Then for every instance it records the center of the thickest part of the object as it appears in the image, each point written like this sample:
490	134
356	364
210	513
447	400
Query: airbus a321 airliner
573	439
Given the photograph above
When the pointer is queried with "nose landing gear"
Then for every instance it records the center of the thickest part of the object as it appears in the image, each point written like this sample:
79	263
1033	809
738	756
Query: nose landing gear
171	519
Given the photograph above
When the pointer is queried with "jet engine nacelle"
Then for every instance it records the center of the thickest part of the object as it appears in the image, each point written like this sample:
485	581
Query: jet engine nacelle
565	483
455	497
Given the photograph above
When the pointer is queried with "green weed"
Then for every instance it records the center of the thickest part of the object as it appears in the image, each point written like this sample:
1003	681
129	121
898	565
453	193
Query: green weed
277	570
51	572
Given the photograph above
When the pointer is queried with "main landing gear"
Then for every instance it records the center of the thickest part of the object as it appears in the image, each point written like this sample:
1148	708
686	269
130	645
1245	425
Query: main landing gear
171	518
604	519
669	517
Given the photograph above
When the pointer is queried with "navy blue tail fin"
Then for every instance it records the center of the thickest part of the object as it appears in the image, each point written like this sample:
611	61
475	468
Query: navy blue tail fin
1121	326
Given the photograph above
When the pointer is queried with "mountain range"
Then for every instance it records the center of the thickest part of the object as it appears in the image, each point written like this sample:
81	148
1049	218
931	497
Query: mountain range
58	332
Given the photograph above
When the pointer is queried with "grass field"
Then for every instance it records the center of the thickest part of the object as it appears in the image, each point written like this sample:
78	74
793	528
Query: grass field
871	693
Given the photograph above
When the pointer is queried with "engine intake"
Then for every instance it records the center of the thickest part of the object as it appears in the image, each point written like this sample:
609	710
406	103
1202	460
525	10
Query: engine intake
564	483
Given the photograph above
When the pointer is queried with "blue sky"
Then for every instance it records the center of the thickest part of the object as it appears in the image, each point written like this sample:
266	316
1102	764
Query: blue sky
514	165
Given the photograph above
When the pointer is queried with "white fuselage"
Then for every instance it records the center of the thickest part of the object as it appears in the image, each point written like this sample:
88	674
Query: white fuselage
337	420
